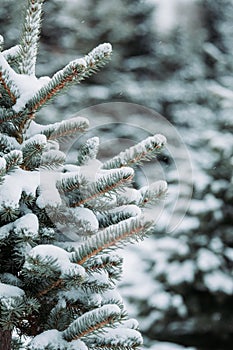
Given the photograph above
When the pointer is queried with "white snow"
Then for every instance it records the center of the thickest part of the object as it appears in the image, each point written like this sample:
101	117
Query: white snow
133	275
209	202
98	52
124	172
11	52
1	41
165	14
222	143
154	191
130	195
178	303
79	63
189	223
93	146
99	278
5	230
131	323
159	187
15	153
49	194
105	312
62	258
207	260
35	128
28	224
28	86
8	72
131	209
228	252
88	216
77	345
71	168
177	273
98	92
38	138
218	281
169	244
122	336
78	222
2	163
145	145
8	291
170	14
51	337
86	297
169	346
219	185
216	245
91	170
112	295
161	300
15	184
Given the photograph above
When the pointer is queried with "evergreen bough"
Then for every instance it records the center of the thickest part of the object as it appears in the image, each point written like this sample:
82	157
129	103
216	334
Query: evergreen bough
60	222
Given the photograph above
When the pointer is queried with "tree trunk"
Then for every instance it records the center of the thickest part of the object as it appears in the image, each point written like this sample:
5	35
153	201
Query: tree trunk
5	340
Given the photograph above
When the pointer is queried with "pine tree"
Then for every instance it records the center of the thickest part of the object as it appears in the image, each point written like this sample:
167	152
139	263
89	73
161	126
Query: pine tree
126	23
190	299
61	222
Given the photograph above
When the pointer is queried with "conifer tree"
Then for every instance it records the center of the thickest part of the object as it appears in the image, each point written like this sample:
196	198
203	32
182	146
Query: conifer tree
60	222
190	298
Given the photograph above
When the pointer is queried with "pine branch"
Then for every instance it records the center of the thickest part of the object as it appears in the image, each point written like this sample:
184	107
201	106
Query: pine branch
88	151
52	159
30	37
48	269
71	182
21	119
32	152
153	193
6	80
92	321
8	213
118	339
118	214
134	155
2	169
41	274
112	264
59	318
15	124
73	73
105	185
1	43
7	114
13	160
12	54
112	237
58	131
94	285
5	144
56	284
